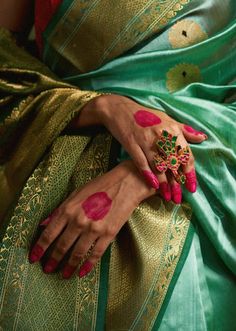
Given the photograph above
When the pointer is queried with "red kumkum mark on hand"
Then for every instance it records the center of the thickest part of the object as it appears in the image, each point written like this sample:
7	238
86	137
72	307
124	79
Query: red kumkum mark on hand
97	206
145	118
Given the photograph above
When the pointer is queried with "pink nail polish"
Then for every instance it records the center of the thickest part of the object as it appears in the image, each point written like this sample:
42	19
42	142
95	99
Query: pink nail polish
85	269
191	181
36	253
46	221
49	218
151	179
195	132
176	193
68	271
50	265
165	191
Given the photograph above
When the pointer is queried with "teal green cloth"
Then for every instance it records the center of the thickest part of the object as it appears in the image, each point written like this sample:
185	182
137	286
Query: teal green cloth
194	85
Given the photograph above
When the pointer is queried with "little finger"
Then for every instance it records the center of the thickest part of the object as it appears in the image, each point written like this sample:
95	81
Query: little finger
57	223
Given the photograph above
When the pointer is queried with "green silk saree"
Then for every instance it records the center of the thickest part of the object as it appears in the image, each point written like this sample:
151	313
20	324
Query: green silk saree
170	267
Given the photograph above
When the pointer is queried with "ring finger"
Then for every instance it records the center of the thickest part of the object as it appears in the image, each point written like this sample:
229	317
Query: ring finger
189	168
80	250
164	186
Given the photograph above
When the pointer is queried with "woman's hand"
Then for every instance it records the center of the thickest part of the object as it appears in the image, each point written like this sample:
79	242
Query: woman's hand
137	128
91	217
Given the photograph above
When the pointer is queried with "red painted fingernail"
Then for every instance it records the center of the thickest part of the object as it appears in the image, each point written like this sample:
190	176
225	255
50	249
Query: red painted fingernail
195	132
68	271
46	221
176	193
50	266
49	218
36	253
191	181
165	191
85	269
151	179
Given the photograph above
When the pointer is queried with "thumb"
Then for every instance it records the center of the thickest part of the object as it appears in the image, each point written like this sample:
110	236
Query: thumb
192	135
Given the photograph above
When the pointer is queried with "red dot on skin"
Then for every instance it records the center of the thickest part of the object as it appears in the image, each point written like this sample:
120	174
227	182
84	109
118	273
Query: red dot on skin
97	205
145	118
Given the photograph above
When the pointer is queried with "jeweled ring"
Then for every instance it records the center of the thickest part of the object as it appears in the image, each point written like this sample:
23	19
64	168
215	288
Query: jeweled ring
171	156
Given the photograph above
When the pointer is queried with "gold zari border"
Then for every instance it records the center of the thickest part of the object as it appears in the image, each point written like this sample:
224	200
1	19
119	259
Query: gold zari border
101	30
143	261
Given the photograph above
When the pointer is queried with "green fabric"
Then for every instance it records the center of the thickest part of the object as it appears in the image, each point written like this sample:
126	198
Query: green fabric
196	86
47	168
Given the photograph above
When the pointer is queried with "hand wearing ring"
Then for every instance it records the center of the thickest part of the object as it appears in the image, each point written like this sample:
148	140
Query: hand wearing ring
136	128
171	156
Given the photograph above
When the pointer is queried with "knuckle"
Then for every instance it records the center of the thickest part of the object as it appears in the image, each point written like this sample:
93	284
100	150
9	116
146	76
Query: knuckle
175	127
111	232
95	231
56	221
67	212
47	236
97	253
76	257
61	249
79	224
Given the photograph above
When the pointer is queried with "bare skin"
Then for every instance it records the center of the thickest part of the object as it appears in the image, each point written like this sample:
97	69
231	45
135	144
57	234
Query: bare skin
139	140
72	224
125	186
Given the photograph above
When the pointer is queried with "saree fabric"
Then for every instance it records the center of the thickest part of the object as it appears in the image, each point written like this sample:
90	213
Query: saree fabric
36	176
177	56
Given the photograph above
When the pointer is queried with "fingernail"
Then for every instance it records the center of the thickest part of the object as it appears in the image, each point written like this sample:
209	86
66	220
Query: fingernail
85	269
151	179
49	218
176	193
195	132
165	191
36	253
50	266
46	221
191	181
68	271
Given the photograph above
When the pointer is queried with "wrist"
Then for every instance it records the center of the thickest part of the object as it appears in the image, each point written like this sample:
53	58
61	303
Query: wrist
137	187
90	114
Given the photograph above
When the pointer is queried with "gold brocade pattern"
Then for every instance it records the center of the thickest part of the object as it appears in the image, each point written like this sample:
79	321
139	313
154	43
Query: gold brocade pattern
182	75
31	300
36	103
143	259
141	269
132	22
